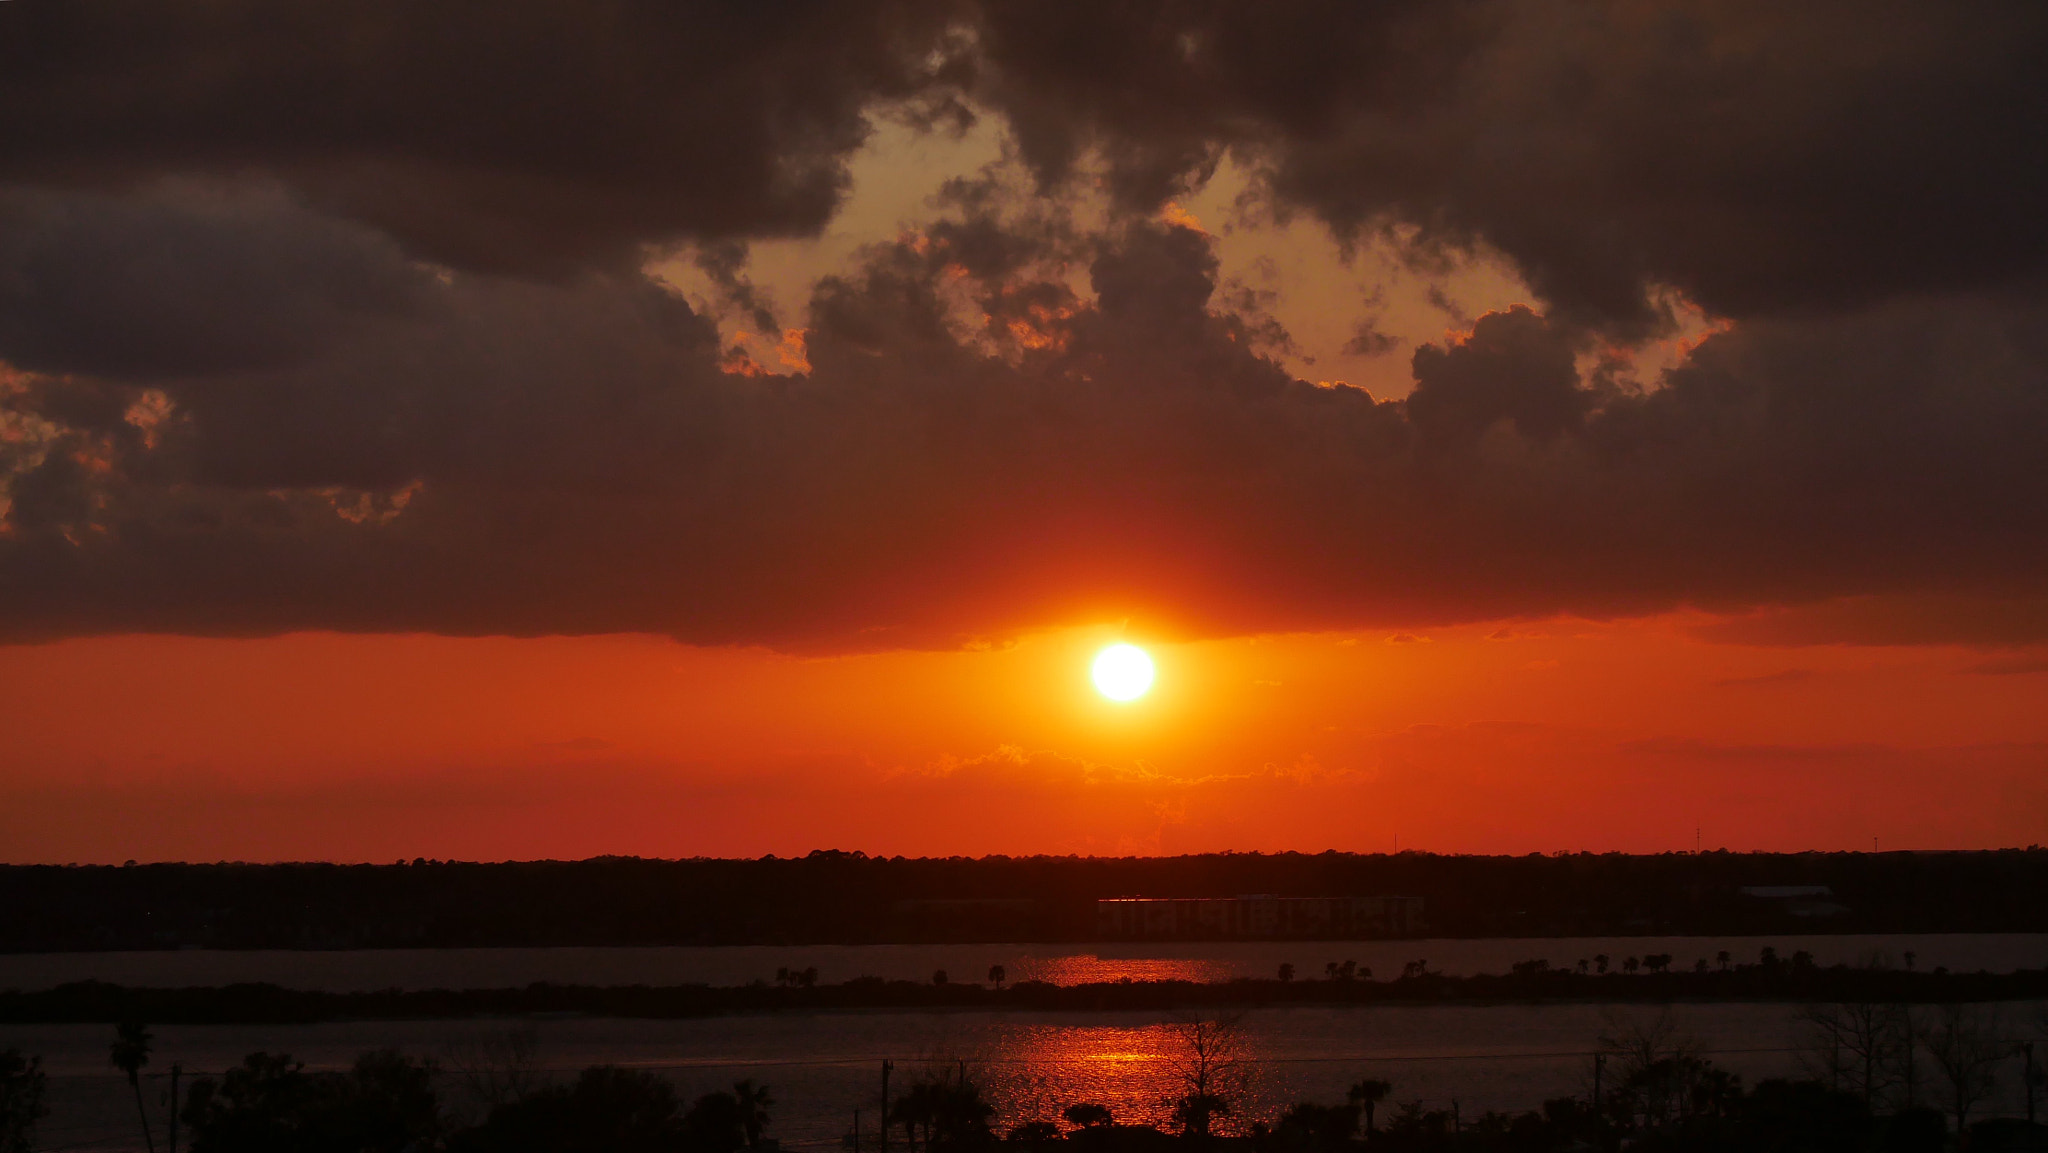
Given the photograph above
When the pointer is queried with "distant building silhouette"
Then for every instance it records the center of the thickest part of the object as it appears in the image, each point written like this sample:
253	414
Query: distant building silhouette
1257	916
1798	900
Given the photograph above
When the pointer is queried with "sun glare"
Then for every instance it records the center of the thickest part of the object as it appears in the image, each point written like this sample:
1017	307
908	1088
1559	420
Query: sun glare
1122	672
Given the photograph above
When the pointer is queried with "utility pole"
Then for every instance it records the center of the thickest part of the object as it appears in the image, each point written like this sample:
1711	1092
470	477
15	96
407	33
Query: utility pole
856	1131
2027	1051
886	1067
1599	1063
177	1069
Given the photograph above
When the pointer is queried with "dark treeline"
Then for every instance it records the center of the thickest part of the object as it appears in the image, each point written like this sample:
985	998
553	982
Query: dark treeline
389	1102
835	897
1769	978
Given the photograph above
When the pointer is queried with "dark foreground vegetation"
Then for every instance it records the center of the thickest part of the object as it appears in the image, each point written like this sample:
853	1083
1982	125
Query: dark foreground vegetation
1889	1081
1769	977
835	897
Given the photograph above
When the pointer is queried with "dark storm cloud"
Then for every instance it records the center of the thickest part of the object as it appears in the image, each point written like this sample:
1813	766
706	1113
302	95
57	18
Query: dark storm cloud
520	457
523	136
183	280
1757	157
240	402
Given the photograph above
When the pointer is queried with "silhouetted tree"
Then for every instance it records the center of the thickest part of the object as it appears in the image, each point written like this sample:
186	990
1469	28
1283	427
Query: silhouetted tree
1196	1113
606	1110
1723	959
1287	970
913	1110
21	1100
1915	1130
499	1067
1311	1126
1963	1041
961	1117
1654	1067
714	1123
1856	1046
1209	1062
129	1054
997	975
754	1102
2032	1078
385	1103
1600	962
1033	1133
950	1115
1802	1115
1366	1095
1087	1115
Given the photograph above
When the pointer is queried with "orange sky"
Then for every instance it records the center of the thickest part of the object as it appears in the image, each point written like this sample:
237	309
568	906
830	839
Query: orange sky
815	393
1556	735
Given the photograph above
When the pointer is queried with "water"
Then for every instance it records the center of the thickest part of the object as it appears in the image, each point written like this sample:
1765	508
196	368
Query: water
365	969
821	1067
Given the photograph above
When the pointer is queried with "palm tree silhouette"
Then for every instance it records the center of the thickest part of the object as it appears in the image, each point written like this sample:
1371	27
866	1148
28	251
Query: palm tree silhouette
130	1053
996	975
754	1103
1367	1094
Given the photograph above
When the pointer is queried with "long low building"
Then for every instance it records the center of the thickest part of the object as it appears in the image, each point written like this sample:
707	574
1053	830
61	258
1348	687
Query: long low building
1257	917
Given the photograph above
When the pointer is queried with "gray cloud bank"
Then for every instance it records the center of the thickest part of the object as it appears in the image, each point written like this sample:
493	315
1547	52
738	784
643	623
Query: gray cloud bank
329	316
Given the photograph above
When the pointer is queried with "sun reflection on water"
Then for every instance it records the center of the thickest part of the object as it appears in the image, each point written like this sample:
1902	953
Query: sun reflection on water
1030	1072
1088	969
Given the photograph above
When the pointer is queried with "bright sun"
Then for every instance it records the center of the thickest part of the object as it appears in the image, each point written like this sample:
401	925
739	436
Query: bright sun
1122	672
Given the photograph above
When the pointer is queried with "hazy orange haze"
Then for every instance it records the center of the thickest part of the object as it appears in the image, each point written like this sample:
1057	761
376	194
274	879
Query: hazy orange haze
1557	735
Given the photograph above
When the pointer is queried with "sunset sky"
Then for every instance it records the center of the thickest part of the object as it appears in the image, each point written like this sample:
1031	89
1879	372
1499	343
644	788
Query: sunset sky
534	429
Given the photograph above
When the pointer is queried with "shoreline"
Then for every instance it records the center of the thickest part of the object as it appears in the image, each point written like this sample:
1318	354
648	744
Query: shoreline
94	1001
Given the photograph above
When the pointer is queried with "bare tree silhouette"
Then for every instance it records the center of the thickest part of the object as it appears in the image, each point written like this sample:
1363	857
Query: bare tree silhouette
1858	1047
1211	1065
1963	1040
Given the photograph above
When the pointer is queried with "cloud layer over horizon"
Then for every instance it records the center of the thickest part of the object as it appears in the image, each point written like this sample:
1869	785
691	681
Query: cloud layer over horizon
342	317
